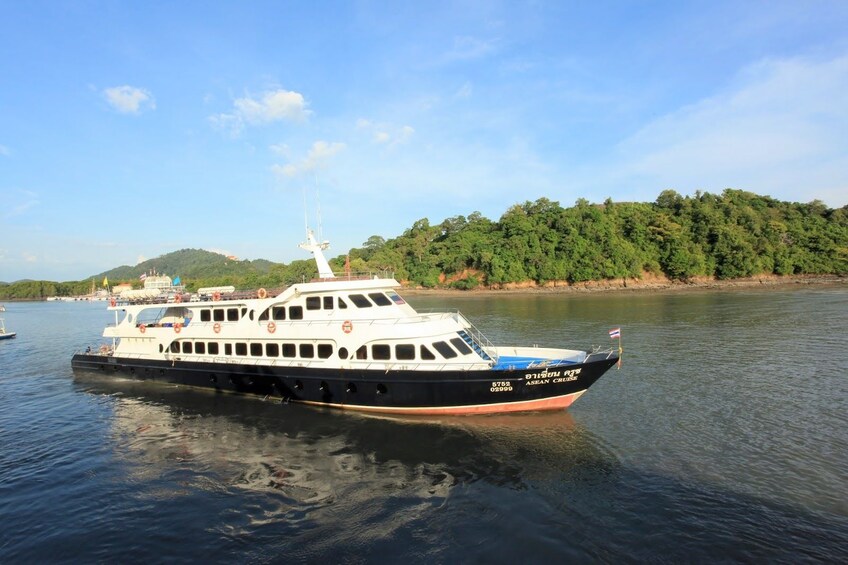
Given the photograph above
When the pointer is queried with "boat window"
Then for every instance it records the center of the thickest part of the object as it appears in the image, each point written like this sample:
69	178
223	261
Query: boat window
342	304
272	350
426	354
213	348
228	349
232	314
405	352
205	315
328	303
313	302
289	350
380	299
218	315
256	349
381	351
446	350
395	297
295	312
461	346
241	348
360	301
307	351
279	312
243	312
264	315
200	347
175	347
187	348
160	348
362	353
325	350
342	353
250	314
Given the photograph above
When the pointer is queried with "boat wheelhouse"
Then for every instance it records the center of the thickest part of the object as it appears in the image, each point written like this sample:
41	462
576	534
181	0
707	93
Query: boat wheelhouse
344	342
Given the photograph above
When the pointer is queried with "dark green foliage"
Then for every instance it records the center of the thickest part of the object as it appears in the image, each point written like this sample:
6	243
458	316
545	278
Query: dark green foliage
735	234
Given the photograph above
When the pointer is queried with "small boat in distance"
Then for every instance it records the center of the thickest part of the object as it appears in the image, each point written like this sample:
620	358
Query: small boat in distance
342	341
3	333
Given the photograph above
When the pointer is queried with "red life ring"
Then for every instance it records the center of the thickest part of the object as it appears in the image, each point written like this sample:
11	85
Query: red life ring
272	327
112	302
262	293
142	328
216	296
217	327
178	298
178	327
347	326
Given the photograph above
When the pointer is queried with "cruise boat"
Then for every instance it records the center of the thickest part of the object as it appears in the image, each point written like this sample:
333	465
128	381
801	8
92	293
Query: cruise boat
3	333
343	342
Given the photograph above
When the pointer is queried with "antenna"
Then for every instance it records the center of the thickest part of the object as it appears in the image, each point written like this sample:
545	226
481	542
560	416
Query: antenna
318	206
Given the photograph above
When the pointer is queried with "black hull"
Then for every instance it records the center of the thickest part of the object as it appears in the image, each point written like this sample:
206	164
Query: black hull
422	392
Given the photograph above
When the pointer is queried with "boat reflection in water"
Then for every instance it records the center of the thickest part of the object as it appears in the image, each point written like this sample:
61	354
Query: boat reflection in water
317	457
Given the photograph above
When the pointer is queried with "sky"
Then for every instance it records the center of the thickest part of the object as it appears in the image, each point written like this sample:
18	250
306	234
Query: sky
132	129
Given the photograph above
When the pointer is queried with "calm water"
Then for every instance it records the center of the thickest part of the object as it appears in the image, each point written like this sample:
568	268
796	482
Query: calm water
724	437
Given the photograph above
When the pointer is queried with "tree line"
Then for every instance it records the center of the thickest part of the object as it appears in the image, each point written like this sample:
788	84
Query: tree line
731	235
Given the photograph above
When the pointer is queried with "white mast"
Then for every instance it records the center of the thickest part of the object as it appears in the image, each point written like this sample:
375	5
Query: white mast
317	250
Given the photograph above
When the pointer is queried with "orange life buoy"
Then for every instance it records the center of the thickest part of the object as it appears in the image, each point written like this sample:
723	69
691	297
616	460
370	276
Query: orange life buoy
272	327
216	296
142	328
112	302
347	326
178	298
178	327
217	327
262	293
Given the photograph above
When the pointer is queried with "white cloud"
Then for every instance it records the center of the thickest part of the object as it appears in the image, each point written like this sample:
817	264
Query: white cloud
779	130
272	106
386	134
464	91
467	48
23	201
140	259
29	257
129	99
280	149
317	157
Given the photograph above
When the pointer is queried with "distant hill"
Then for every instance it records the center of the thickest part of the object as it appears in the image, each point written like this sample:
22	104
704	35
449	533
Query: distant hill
189	263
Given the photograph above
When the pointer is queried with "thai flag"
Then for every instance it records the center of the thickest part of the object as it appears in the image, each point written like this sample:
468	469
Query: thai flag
616	333
142	277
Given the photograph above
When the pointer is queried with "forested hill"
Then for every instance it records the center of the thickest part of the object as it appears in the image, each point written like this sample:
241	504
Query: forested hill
189	264
735	234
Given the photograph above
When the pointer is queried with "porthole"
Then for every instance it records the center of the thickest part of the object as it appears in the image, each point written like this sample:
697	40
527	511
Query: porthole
381	389
213	379
129	318
351	388
323	387
298	385
343	353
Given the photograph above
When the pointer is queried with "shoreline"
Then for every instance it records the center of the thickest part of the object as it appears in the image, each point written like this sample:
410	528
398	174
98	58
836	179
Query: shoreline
651	285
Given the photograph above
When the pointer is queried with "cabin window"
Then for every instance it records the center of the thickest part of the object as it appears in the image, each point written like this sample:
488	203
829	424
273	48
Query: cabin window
205	315
243	312
175	347
256	350
272	350
426	354
264	315
295	312
325	350
380	299
446	350
232	314
250	314
404	352
200	347
307	351
313	302
187	348
342	304
289	350
381	351
328	303
160	348
213	348
395	297
362	353
461	346
279	312
360	301
228	349
241	349
218	315
342	353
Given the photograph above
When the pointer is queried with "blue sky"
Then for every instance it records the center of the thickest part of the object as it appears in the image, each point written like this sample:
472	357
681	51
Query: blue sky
129	130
